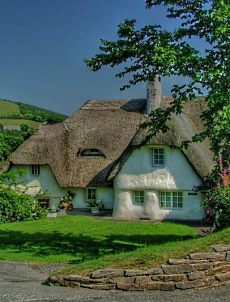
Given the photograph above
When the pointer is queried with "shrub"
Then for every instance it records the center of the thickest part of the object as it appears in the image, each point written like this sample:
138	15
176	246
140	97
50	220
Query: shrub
217	200
15	206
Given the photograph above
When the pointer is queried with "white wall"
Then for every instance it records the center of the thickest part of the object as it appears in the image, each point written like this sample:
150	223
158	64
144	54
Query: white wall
46	183
107	196
138	173
102	193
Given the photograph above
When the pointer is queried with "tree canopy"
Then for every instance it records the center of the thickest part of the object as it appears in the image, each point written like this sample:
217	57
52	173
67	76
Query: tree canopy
145	52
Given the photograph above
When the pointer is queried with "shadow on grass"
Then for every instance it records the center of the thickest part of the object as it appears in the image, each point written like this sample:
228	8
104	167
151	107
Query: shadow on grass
79	247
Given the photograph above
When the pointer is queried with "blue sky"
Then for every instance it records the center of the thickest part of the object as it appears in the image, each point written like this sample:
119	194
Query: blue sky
44	42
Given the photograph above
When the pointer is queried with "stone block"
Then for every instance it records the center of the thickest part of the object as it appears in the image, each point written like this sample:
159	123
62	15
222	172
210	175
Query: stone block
155	271
128	286
178	269
122	280
179	261
141	279
223	277
220	263
136	272
219	269
150	286
221	248
196	283
166	286
175	278
156	277
185	261
85	280
107	273
207	256
203	266
99	286
196	275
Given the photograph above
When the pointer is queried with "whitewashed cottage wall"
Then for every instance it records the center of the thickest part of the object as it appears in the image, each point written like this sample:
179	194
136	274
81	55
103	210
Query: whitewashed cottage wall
46	183
139	173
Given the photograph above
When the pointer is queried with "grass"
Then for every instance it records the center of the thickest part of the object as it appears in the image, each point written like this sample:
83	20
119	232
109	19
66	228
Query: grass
8	108
18	122
88	243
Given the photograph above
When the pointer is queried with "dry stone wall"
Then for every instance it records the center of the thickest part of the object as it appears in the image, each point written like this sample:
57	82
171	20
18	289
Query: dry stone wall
197	270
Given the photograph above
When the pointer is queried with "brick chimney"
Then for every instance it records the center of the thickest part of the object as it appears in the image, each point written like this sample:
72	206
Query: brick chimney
154	94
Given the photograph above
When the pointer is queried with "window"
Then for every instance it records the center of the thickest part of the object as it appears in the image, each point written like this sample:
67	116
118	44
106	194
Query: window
171	200
35	170
91	195
158	156
44	203
139	197
92	152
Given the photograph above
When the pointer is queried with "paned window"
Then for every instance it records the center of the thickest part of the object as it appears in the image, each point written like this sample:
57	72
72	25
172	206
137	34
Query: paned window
139	197
35	170
171	200
91	195
158	156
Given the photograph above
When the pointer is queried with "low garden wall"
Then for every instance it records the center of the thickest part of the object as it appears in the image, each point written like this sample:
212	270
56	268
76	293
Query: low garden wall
197	270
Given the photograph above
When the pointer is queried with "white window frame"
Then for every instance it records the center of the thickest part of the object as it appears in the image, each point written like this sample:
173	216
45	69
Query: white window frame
89	198
171	200
158	154
139	197
35	170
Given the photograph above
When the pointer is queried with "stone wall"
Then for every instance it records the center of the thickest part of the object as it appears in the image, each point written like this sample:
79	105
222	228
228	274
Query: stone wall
197	270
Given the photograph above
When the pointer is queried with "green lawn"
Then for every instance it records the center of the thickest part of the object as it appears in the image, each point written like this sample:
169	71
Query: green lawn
17	122
88	243
8	108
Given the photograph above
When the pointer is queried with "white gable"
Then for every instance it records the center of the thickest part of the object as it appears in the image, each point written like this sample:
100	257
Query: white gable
140	173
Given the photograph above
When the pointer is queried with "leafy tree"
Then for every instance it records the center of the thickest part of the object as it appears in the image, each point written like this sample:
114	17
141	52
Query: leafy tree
10	140
151	50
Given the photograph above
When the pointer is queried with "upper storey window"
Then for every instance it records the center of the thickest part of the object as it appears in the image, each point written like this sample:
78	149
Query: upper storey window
158	157
92	152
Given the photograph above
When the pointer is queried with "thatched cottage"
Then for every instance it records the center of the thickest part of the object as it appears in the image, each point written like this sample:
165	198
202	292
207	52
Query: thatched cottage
97	153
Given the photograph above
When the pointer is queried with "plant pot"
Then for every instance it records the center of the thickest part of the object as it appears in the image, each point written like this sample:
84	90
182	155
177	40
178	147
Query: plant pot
95	210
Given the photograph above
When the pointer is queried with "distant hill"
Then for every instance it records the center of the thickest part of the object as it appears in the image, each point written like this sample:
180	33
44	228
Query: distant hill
13	114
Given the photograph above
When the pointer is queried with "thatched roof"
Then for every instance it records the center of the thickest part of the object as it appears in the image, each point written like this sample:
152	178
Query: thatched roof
113	127
181	128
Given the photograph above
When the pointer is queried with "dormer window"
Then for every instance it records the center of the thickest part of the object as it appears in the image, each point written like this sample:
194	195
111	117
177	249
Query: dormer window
92	152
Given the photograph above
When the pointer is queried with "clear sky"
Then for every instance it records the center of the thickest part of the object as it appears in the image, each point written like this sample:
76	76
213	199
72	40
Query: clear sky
44	42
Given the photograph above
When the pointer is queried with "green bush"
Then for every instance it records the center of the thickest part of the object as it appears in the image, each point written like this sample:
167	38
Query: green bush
217	201
15	206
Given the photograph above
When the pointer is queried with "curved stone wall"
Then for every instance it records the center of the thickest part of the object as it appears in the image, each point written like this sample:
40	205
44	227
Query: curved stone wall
197	270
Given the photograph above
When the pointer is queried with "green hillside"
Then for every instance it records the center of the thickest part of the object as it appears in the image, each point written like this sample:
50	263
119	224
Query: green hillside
8	108
11	112
18	122
15	114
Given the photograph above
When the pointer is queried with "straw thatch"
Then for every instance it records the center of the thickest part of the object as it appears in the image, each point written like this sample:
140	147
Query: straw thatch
113	127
